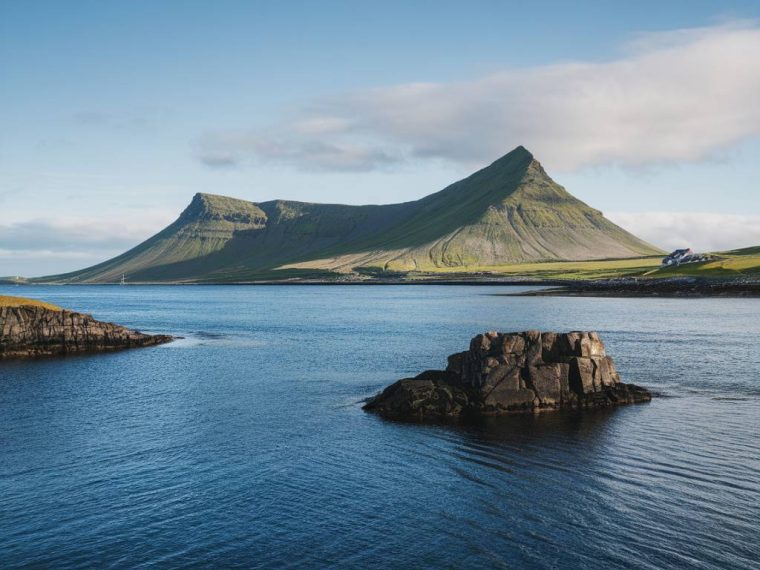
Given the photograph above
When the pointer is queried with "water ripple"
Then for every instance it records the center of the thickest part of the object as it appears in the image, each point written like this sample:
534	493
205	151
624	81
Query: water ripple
246	446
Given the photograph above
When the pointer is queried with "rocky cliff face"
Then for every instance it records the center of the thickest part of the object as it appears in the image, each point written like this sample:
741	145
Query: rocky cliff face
27	331
513	372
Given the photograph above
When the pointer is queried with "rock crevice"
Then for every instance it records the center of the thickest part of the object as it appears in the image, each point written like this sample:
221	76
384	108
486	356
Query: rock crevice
28	331
513	372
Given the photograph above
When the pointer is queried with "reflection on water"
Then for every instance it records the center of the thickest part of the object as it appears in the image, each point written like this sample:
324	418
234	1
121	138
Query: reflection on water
244	443
547	428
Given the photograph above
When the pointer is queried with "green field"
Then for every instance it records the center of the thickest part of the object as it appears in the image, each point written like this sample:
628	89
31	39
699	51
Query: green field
725	265
602	269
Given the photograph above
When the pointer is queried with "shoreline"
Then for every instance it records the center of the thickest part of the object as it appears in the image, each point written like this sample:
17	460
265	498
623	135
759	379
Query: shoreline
468	281
33	329
627	287
678	288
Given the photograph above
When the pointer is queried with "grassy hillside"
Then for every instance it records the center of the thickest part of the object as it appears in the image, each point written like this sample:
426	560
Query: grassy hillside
511	212
737	264
566	270
508	212
7	301
727	265
207	225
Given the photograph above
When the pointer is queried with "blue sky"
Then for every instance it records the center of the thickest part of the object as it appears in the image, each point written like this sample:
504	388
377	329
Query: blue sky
115	113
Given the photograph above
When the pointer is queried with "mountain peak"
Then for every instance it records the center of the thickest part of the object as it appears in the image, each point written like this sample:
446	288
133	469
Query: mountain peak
520	149
518	158
519	152
508	212
213	207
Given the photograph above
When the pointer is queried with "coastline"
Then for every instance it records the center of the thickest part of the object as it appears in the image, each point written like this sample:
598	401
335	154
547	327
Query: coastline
30	328
664	287
656	288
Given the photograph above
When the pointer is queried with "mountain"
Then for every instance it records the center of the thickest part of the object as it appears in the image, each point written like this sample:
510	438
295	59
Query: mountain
508	212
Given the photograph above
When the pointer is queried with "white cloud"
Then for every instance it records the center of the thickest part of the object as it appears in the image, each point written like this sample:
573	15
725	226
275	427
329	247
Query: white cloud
49	245
702	231
82	234
676	96
233	148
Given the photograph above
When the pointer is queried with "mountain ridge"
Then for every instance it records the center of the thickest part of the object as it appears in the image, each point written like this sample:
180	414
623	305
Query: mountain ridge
509	211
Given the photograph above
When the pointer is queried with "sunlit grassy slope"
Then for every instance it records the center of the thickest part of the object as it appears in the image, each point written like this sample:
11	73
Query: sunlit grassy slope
7	301
508	213
726	265
601	269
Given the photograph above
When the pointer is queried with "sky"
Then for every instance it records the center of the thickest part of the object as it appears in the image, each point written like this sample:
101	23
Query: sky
114	114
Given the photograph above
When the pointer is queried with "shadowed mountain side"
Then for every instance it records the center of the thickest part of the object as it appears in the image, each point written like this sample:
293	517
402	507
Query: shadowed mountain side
510	211
506	213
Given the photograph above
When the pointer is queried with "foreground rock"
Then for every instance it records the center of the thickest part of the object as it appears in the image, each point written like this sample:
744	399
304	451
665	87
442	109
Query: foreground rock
31	330
512	372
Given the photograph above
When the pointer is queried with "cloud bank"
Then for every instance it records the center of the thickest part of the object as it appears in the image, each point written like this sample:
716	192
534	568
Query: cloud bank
675	96
699	230
59	246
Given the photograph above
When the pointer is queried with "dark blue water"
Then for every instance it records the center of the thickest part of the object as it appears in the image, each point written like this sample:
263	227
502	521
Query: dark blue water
245	444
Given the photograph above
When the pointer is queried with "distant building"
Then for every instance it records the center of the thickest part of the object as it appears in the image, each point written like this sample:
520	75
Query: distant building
680	256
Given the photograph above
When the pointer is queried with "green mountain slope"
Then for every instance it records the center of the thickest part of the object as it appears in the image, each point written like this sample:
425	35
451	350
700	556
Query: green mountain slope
508	212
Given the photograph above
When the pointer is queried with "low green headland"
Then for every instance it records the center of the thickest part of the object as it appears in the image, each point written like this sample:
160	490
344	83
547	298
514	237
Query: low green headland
733	273
8	301
727	265
737	263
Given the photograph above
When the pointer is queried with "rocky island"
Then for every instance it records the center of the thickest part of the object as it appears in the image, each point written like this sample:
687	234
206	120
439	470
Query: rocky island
512	372
31	328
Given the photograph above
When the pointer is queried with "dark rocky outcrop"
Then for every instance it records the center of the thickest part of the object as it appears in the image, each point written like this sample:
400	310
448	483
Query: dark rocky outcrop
512	372
27	331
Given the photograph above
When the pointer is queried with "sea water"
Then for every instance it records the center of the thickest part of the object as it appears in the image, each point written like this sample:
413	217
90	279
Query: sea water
244	443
